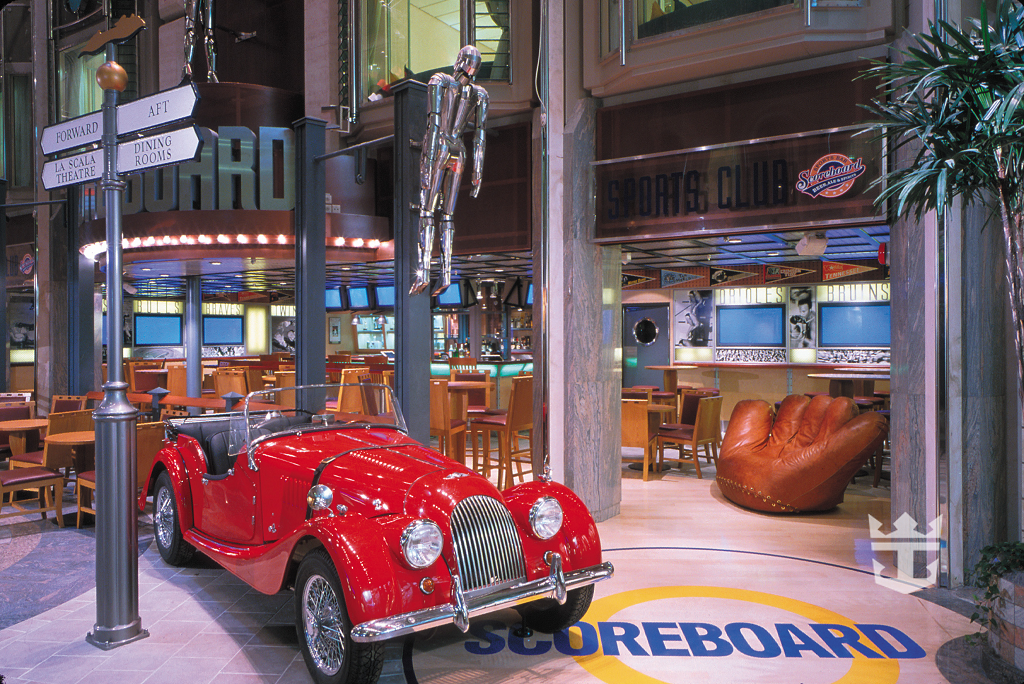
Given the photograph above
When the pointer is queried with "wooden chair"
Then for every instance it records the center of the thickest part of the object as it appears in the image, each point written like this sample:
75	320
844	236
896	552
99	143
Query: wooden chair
60	403
509	428
139	365
350	399
462	364
149	439
48	483
15	397
705	432
173	413
282	379
254	379
227	380
177	379
636	432
450	432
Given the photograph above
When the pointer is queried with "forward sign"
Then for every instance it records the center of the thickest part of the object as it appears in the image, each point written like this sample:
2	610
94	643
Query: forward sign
155	110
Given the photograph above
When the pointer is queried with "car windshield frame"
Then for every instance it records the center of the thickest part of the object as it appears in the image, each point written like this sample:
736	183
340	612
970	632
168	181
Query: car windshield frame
271	413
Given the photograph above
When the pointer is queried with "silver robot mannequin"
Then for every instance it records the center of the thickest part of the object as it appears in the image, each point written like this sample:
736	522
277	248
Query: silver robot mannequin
197	11
454	101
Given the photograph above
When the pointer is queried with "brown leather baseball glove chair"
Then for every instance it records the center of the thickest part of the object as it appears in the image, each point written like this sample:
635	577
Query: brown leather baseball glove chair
800	460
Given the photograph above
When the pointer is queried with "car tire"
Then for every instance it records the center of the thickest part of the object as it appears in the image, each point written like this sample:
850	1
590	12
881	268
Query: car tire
558	617
331	656
173	547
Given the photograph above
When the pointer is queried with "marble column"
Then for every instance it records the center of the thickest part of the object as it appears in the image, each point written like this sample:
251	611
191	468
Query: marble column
591	306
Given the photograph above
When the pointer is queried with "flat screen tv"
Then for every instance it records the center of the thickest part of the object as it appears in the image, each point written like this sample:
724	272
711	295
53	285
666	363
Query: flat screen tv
854	325
514	294
529	294
332	299
223	330
450	296
385	295
158	330
752	326
359	298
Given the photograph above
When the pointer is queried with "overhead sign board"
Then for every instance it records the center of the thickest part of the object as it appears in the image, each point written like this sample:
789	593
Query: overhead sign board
152	111
162	149
82	130
158	109
80	168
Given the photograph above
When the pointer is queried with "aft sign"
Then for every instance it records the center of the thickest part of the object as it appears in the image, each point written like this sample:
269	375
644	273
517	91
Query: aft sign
155	110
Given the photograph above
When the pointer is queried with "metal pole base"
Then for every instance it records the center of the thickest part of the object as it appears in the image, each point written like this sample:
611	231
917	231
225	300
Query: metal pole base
108	639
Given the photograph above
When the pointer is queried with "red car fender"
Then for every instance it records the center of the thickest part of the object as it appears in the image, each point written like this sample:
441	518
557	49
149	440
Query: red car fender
578	541
168	459
363	563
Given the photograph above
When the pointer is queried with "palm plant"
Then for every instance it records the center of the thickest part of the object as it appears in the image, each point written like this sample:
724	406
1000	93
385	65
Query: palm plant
954	100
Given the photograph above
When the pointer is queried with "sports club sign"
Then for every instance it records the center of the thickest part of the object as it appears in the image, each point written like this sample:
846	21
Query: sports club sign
668	635
792	181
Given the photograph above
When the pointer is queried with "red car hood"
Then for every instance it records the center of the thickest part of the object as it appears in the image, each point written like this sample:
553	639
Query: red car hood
376	472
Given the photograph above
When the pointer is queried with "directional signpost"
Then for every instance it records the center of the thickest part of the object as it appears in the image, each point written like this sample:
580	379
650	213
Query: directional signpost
117	570
158	109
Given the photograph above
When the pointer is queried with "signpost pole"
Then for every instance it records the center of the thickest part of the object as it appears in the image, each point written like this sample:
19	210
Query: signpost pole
117	539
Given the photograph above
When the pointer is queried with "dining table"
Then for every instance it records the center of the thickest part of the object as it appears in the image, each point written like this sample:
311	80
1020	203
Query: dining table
17	432
458	396
851	384
82	460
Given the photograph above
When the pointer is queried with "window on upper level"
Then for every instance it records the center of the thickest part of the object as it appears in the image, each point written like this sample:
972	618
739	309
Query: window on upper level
16	136
76	78
416	38
651	18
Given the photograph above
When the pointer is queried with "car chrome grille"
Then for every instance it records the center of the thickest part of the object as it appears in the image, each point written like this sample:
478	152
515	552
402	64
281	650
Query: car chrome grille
486	543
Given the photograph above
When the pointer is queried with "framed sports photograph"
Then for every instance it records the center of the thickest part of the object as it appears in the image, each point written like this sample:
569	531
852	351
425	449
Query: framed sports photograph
334	330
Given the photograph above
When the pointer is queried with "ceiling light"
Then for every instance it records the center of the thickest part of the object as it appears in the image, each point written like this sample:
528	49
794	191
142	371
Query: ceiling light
147	269
215	263
773	254
262	239
358	242
734	240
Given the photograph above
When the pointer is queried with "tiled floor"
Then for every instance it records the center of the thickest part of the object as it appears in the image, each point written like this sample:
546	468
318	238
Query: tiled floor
743	595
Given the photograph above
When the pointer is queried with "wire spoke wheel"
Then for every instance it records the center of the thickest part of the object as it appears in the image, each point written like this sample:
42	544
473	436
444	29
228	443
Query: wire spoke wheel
324	633
163	517
322	625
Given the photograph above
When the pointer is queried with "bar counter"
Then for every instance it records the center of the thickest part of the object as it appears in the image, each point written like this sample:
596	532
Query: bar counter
768	381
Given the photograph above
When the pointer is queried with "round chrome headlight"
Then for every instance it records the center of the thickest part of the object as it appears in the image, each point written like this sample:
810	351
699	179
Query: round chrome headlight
546	517
319	497
422	543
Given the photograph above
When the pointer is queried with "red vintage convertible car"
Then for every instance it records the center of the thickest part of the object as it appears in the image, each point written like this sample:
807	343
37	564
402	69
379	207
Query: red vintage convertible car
378	535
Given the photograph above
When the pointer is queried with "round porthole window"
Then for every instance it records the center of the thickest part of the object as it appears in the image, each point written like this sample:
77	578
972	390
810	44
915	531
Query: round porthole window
645	332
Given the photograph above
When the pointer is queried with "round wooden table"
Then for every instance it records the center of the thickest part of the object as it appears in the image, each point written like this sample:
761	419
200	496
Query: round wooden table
17	431
458	393
80	458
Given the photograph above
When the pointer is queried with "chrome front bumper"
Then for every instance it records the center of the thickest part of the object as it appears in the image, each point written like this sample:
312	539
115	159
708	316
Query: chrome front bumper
481	601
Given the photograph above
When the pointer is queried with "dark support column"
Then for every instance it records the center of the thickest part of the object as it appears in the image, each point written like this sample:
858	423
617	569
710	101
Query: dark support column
412	314
81	320
310	254
5	374
193	343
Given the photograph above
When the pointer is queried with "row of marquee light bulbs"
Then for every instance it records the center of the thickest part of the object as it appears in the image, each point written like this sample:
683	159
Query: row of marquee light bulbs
94	249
